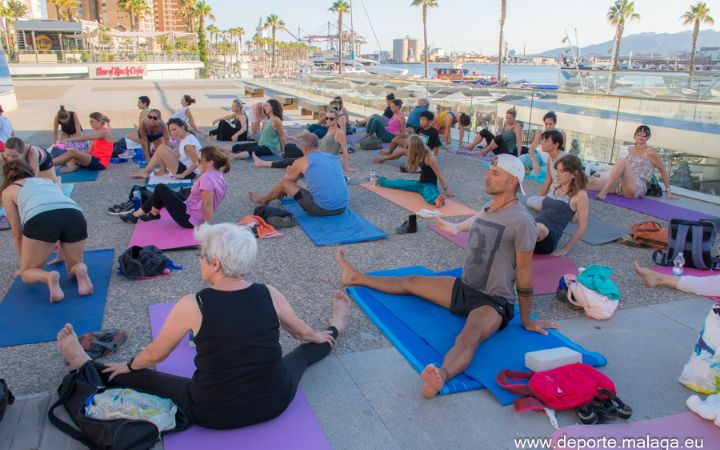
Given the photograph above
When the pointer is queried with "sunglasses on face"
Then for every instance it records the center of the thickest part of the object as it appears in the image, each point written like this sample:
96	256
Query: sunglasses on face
153	117
329	118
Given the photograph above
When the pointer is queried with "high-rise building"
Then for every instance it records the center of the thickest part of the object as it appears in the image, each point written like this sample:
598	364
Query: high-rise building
109	13
33	9
167	16
407	50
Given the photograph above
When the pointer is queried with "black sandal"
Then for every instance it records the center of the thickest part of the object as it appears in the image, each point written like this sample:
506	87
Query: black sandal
623	411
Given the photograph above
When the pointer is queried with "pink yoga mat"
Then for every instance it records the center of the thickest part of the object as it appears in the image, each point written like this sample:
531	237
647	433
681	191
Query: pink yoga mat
682	426
688	271
297	428
546	269
654	208
165	234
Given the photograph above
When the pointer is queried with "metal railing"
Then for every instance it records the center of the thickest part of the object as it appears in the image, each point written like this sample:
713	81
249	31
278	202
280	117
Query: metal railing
99	56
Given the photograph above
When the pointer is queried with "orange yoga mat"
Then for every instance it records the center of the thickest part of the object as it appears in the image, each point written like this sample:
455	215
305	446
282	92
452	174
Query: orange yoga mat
413	202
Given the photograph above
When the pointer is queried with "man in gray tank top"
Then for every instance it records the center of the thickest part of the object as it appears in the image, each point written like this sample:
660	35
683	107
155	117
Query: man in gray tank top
497	271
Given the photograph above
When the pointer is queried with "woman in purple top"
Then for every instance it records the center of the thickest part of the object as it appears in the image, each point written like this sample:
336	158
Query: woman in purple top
190	207
395	127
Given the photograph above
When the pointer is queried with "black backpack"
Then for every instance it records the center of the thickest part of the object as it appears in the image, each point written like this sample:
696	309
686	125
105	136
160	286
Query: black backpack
653	187
6	398
695	239
137	262
115	434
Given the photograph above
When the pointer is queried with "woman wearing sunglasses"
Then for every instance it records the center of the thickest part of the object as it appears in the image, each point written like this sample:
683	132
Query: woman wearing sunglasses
630	175
153	132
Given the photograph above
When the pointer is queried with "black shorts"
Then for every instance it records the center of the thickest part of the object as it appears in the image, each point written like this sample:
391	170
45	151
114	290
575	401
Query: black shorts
65	225
182	168
307	202
94	164
465	299
548	244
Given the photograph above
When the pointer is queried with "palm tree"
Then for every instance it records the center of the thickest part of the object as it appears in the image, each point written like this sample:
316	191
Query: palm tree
503	14
212	31
65	9
425	5
697	13
273	22
201	11
340	7
134	9
186	10
239	33
618	13
10	12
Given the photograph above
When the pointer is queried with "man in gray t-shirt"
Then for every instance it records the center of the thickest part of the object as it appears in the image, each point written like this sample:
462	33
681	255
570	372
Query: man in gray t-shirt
497	266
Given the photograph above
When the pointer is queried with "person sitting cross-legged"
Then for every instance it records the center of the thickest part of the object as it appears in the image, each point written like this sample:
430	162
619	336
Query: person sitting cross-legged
326	194
425	131
497	267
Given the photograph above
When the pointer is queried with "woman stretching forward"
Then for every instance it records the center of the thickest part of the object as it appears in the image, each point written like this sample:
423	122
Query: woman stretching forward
196	207
97	156
419	155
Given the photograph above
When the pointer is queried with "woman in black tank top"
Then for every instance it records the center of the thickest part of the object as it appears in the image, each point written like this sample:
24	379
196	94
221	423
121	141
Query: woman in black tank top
241	376
69	125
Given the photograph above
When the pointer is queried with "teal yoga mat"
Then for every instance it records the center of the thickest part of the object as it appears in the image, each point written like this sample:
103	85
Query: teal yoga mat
79	176
432	331
28	317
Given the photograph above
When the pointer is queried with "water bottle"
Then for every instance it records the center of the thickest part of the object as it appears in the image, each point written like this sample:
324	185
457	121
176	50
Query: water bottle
136	199
678	264
373	178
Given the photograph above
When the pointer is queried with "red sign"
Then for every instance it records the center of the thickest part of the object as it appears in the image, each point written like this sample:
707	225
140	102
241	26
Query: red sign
119	71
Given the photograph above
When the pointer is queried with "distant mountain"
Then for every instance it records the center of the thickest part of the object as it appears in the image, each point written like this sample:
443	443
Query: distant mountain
644	43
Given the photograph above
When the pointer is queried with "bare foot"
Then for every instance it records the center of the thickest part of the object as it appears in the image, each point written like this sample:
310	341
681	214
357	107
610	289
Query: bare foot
161	173
651	279
69	345
85	286
140	175
257	162
602	195
384	152
433	381
68	169
440	201
255	198
341	311
377	161
56	292
348	274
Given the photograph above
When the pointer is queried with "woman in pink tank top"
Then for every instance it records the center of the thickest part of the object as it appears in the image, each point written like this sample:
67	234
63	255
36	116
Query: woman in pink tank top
395	127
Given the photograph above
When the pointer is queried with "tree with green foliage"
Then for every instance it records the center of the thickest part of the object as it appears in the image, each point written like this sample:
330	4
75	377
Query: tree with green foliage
10	10
425	5
697	14
619	12
134	8
203	11
340	7
274	23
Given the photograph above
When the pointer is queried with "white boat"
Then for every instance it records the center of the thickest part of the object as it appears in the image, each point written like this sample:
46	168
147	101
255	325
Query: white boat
386	71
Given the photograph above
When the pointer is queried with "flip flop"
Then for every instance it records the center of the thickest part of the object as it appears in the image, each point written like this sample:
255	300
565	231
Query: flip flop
102	343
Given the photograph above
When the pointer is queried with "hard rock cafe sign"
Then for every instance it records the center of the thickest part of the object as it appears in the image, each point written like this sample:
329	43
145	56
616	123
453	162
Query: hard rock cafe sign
113	71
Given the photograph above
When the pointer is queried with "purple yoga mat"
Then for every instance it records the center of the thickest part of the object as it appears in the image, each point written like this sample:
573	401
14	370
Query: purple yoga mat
654	208
296	428
165	234
546	269
689	271
682	426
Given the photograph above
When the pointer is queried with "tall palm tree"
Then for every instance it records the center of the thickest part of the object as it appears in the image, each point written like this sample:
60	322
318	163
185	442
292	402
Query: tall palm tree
503	15
697	13
186	10
212	31
425	5
66	9
202	11
10	12
273	22
340	7
134	9
618	13
239	33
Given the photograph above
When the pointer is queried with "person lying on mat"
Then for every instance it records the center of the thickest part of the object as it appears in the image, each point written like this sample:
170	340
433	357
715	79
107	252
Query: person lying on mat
183	163
37	157
497	267
69	124
420	156
384	118
272	136
40	216
553	144
704	286
444	123
506	142
98	154
189	207
395	127
334	143
630	175
241	376
327	192
533	159
233	127
565	201
425	131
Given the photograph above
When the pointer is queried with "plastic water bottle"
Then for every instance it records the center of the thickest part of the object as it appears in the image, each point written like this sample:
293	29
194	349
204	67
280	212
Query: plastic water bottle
678	264
373	178
136	199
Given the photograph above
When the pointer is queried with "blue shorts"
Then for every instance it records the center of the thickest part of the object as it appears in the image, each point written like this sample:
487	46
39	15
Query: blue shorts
94	164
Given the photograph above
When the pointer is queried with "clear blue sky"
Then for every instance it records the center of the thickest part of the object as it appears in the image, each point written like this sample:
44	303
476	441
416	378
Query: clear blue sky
464	24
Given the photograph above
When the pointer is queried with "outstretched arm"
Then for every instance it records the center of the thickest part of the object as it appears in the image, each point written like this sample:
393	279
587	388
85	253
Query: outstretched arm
294	325
523	280
657	162
436	169
582	208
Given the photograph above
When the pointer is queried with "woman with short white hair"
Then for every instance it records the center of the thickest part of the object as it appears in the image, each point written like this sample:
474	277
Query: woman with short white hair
241	376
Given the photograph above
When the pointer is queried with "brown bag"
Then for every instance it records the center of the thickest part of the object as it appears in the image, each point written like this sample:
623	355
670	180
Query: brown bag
650	234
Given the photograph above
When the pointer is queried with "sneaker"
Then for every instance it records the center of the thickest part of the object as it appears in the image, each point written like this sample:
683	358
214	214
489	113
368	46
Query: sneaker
122	208
281	222
149	217
128	218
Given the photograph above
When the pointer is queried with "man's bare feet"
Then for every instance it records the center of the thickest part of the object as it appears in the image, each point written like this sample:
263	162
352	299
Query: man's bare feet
341	311
651	279
348	274
56	292
85	286
255	198
433	381
69	345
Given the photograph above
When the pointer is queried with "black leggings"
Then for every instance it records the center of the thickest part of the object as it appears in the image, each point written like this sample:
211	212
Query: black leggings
177	388
489	137
292	153
252	147
173	202
225	132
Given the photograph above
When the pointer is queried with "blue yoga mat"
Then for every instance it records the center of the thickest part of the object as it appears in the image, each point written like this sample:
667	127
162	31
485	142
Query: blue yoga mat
346	228
28	317
79	176
423	332
539	177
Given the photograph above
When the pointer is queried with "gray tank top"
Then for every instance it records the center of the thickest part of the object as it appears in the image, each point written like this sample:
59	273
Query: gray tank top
509	138
39	195
329	145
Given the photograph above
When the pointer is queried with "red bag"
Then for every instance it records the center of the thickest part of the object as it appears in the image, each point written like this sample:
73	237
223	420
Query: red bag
565	387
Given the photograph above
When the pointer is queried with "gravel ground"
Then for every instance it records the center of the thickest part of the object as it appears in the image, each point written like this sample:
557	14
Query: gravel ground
306	274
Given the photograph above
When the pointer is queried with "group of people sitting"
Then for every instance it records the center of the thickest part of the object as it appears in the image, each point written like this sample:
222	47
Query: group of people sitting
262	382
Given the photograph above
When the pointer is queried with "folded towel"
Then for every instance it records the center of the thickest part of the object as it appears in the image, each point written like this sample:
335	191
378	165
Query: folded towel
264	230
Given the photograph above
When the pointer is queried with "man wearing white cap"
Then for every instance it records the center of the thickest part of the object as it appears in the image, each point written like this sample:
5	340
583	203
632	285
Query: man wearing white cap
497	267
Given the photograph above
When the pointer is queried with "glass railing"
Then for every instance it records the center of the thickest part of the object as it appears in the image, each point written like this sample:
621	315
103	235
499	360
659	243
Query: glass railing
598	125
71	56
